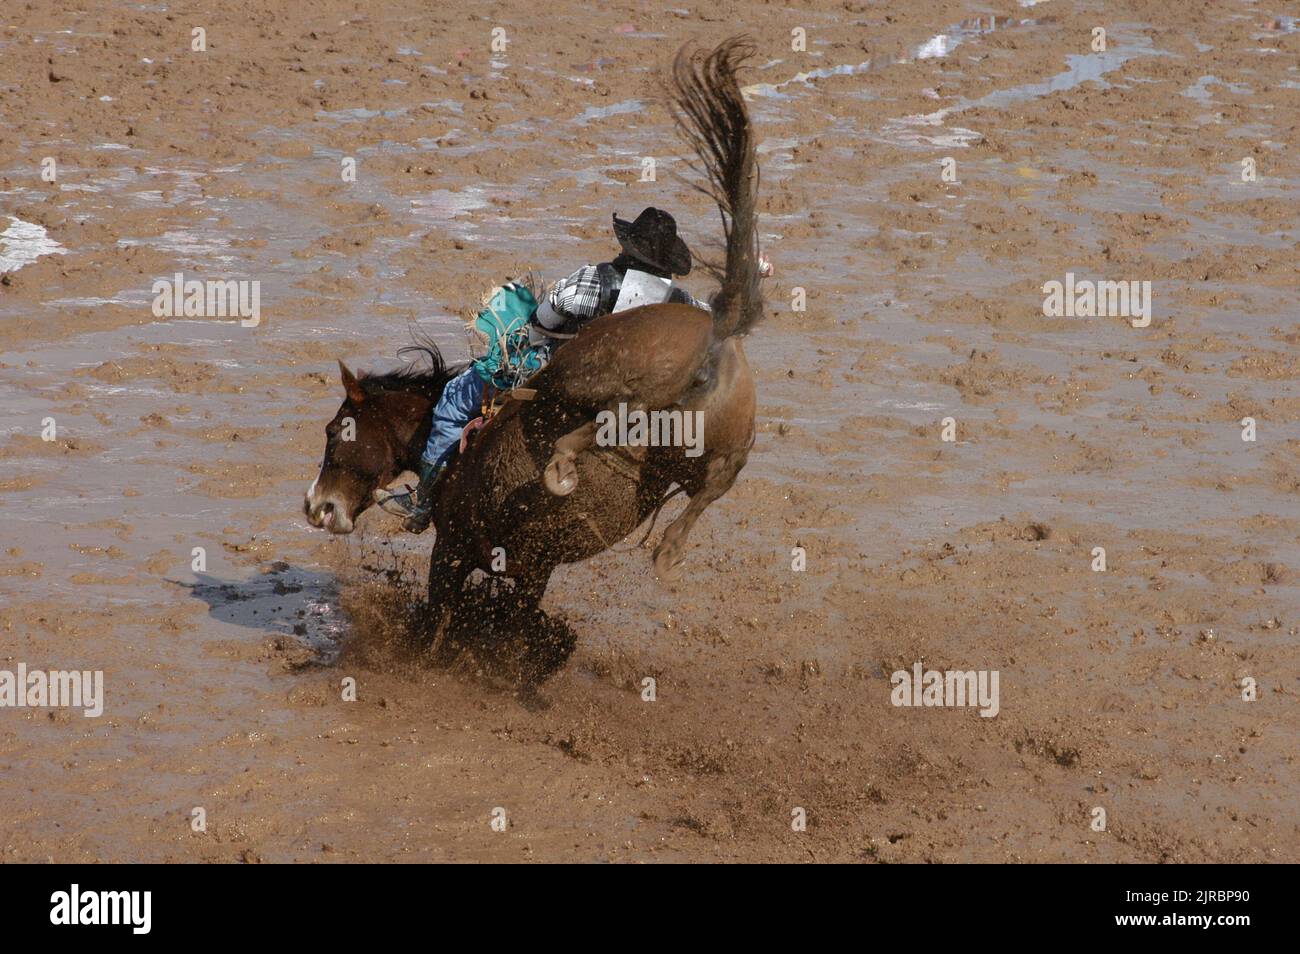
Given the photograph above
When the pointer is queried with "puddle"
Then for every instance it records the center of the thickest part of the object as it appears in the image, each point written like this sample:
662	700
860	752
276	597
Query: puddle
23	243
292	601
1283	25
446	204
605	112
939	45
1200	90
928	129
359	114
187	244
1083	68
914	130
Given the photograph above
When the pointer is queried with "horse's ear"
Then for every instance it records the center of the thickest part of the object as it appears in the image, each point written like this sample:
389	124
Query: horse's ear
351	385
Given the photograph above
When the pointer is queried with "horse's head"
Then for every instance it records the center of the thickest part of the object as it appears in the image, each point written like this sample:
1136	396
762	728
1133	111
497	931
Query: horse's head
378	432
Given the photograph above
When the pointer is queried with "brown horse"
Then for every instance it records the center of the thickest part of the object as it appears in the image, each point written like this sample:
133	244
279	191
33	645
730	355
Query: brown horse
535	488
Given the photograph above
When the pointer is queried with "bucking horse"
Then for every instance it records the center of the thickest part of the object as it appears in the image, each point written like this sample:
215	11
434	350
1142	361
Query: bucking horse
535	488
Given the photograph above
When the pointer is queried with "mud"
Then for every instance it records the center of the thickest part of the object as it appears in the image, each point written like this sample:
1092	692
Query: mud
1119	689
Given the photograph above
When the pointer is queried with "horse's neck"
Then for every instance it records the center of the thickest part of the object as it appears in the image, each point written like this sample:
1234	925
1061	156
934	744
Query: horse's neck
412	418
420	437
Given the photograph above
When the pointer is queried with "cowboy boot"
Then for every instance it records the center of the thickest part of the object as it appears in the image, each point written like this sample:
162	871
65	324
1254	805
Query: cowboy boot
416	505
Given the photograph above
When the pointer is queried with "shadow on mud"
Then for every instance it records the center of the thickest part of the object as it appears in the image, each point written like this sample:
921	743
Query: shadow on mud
284	600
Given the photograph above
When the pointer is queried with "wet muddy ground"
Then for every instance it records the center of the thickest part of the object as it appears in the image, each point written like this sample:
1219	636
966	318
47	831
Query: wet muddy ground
1120	690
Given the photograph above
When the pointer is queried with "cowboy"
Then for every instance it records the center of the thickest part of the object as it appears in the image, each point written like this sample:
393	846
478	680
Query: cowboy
652	253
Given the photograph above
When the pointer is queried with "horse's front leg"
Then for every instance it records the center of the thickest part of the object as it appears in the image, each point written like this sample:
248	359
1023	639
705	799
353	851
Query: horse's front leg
548	642
448	569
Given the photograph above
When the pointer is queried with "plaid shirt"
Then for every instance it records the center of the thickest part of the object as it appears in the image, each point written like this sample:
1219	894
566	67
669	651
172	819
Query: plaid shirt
592	290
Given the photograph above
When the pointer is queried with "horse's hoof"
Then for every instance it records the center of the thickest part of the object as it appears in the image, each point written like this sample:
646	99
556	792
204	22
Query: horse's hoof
667	569
560	476
531	699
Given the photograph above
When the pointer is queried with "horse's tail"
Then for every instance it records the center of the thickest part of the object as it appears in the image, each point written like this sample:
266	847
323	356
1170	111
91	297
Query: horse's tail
711	117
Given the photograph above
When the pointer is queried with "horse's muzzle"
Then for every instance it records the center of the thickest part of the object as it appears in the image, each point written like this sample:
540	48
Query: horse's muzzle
327	512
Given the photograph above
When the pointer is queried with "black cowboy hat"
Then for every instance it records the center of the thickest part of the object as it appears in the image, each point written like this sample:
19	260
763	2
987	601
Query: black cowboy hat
653	239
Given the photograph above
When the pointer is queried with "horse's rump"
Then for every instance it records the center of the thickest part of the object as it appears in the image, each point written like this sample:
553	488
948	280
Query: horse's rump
650	355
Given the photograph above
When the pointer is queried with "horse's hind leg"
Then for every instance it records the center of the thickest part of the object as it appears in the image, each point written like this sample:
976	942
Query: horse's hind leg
561	473
718	478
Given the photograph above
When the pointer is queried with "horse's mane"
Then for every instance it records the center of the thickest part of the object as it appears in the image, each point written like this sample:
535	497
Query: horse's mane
425	371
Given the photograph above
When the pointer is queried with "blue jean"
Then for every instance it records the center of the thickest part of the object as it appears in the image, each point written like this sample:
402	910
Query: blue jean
461	402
